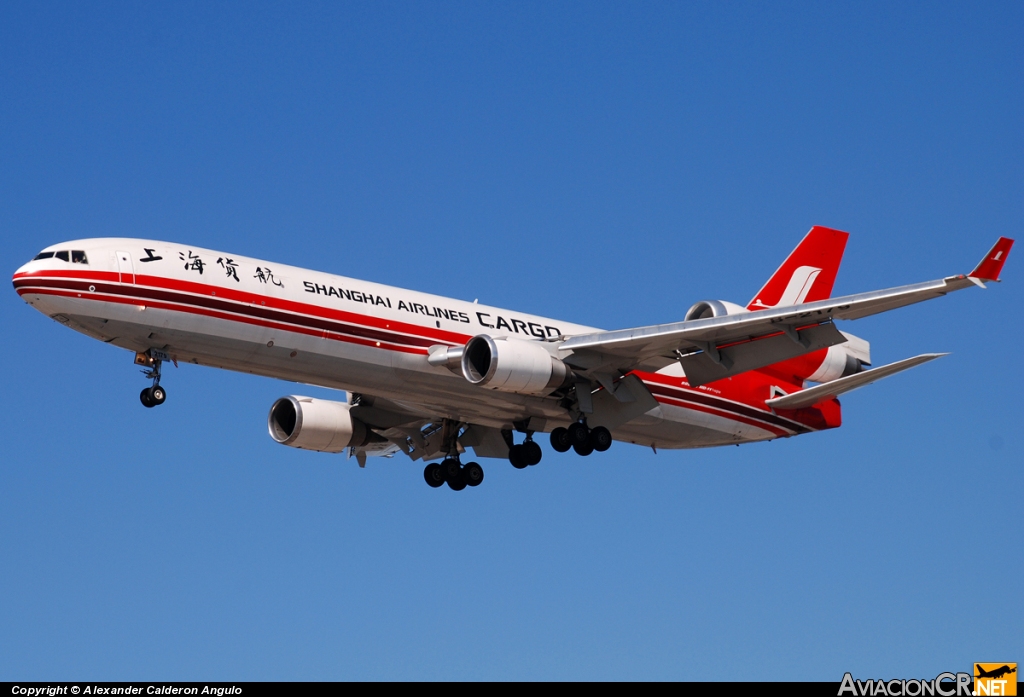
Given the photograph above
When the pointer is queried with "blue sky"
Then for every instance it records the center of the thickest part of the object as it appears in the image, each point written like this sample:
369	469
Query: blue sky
608	164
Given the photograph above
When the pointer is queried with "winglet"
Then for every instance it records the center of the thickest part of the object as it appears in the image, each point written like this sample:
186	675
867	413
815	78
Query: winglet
992	264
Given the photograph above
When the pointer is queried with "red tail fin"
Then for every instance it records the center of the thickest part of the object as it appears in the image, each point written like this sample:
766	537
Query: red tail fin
807	274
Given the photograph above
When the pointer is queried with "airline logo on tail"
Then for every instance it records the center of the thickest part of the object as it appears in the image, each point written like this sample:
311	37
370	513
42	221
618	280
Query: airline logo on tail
807	274
796	292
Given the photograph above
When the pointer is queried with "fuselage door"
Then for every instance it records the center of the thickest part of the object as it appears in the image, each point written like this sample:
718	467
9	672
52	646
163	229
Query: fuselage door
125	267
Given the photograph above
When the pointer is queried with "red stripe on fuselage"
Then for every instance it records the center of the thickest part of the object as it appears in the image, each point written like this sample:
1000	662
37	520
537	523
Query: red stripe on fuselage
732	416
149	296
428	335
742	412
234	317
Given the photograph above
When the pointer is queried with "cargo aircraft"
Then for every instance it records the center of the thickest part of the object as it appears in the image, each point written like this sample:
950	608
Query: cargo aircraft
431	377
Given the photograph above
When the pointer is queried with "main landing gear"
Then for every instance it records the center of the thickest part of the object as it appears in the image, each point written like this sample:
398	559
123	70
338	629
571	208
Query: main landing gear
451	470
457	475
580	438
151	396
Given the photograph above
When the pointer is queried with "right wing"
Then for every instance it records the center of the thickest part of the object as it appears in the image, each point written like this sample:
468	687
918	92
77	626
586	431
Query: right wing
718	347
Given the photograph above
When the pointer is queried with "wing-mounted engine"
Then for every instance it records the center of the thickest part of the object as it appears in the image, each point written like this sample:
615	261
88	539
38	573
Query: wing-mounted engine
513	365
843	359
705	309
317	424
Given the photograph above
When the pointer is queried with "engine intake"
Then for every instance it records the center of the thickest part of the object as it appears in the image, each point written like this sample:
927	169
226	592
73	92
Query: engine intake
316	424
706	309
512	365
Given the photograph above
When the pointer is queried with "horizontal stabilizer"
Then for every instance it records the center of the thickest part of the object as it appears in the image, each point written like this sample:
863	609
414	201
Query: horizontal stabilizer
830	390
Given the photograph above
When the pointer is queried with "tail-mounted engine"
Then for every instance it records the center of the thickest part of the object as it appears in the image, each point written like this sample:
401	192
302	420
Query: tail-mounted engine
706	309
513	365
316	424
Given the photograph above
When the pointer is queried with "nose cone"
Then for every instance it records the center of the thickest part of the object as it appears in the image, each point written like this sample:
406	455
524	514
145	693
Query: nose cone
18	280
22	277
22	270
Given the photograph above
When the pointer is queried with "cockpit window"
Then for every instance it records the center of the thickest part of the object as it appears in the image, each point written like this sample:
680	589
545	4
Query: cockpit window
75	256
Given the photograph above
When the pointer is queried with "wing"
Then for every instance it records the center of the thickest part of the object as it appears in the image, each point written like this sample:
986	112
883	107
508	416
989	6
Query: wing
718	347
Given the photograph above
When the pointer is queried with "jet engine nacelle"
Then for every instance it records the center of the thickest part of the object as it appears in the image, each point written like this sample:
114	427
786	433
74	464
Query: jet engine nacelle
512	365
713	308
315	424
843	359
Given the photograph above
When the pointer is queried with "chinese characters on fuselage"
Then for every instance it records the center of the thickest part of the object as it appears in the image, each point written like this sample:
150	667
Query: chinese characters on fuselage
192	262
263	274
230	267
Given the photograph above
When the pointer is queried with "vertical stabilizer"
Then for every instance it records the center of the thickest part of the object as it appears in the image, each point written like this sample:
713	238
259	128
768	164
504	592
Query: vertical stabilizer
807	274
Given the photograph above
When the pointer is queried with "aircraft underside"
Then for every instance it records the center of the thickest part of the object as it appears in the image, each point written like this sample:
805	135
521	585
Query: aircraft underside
365	371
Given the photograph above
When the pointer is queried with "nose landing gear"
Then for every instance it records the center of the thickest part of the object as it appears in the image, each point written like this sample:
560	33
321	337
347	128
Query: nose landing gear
155	395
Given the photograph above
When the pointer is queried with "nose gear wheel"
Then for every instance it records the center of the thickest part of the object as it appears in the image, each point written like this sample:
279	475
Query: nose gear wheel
155	395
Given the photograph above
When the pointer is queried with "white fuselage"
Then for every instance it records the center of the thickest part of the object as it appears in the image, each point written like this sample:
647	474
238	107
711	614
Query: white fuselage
227	311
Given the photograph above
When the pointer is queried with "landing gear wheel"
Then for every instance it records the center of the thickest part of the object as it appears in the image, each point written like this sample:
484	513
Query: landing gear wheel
516	457
457	483
560	440
157	394
473	474
601	439
146	397
584	449
433	474
451	469
579	434
531	452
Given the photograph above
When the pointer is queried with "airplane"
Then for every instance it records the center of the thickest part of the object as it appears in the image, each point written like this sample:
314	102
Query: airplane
996	673
431	377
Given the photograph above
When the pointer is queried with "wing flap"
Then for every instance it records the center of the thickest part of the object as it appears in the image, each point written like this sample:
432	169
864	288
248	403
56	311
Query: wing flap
831	390
701	368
